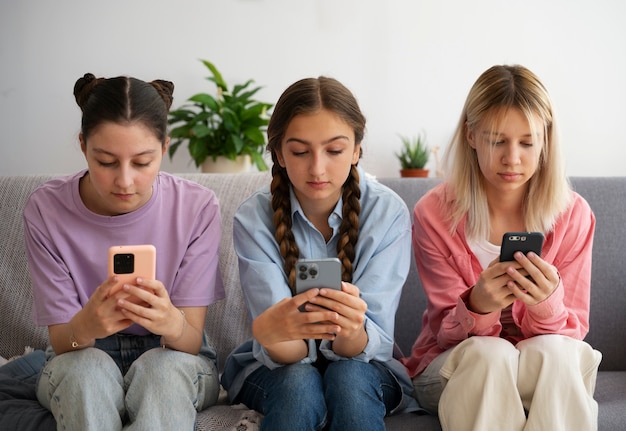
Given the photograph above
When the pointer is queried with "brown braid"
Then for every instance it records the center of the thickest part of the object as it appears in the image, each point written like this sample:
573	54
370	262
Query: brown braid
349	229
282	221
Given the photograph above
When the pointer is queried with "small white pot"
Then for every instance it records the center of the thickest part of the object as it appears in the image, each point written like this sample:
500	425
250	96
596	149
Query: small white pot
224	165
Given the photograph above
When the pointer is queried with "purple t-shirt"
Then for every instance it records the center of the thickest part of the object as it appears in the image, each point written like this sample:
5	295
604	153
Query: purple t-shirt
67	245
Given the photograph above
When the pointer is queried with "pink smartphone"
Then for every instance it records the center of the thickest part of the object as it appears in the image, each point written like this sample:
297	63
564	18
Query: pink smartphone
131	261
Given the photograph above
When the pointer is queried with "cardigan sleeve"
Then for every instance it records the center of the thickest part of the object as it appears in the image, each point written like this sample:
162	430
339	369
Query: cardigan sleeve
566	311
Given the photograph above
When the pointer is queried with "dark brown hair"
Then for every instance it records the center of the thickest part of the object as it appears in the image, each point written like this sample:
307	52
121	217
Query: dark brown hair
123	100
305	97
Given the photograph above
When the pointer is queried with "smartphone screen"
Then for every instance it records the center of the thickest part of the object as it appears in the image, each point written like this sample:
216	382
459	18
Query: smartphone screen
520	241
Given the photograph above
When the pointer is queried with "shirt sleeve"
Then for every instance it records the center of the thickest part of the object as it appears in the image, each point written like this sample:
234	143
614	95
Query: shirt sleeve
55	299
198	279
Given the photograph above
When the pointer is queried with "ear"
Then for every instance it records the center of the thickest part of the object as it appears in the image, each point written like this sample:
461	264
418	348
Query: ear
165	146
356	155
470	136
83	144
280	158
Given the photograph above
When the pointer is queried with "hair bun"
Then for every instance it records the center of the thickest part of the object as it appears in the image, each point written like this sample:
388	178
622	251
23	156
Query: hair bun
165	89
83	87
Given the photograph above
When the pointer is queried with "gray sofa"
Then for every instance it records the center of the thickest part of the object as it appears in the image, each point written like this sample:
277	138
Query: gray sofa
228	323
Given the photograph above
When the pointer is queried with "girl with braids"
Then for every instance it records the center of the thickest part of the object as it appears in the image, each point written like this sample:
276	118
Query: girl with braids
115	362
501	342
332	365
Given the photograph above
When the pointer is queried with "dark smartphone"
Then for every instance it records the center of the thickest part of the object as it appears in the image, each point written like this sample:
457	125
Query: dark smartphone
520	241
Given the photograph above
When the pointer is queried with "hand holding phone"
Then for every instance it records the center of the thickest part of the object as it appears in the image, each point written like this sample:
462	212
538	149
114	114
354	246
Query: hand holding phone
128	262
520	241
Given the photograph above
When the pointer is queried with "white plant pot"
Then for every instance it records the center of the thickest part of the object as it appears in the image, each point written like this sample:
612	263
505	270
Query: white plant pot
223	165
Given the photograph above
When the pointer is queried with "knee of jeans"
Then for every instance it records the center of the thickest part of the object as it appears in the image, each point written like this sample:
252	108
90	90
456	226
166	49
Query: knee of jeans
161	365
357	375
293	378
82	363
347	372
154	362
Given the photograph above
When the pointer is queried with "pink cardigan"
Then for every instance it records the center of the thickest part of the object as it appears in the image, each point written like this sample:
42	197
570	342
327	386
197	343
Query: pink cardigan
448	269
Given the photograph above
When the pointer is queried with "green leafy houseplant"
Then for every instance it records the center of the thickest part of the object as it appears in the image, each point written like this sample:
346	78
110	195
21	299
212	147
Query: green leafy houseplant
414	154
230	124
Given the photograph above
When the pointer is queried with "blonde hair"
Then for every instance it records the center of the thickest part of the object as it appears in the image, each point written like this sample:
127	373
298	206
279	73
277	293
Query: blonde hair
497	90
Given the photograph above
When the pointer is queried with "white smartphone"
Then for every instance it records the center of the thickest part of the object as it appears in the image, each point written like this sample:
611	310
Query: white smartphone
520	241
131	261
318	273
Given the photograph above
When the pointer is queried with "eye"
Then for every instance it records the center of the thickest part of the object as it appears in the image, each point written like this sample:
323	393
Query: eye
335	152
106	164
299	153
142	165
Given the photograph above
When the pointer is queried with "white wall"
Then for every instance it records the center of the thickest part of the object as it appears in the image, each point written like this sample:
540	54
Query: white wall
410	63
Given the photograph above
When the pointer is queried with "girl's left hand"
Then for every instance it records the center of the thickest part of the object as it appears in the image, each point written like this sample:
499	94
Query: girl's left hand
153	309
542	279
347	303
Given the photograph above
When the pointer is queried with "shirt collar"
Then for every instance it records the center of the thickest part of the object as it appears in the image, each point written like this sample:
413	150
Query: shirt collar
333	220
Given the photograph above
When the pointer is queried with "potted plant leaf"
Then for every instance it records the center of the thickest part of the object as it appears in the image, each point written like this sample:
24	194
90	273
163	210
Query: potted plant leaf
413	156
230	124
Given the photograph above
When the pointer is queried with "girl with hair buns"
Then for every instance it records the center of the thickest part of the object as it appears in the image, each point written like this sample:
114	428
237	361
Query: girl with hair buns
501	342
331	365
137	358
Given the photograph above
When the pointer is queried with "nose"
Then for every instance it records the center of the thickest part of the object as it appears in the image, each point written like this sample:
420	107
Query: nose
317	164
124	178
511	155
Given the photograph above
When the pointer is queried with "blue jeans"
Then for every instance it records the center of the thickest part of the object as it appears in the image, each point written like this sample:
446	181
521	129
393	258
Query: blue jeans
350	395
127	382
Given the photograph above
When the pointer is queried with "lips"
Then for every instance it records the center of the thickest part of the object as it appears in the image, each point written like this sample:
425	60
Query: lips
510	176
317	184
123	196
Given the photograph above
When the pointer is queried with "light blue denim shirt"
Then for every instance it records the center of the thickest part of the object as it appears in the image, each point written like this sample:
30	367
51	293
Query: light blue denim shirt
381	264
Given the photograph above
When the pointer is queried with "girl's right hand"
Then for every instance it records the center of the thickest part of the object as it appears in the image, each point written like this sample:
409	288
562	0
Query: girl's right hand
101	316
98	319
491	293
282	328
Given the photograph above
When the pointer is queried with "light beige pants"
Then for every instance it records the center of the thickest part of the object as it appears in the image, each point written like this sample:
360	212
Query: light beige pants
542	383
